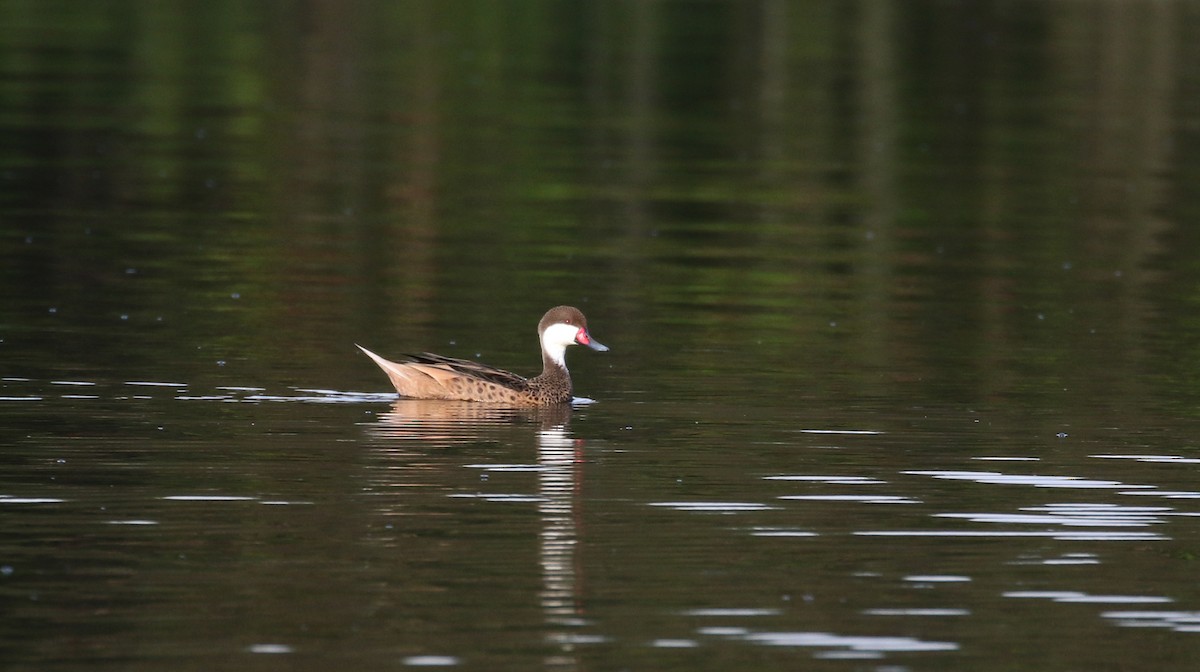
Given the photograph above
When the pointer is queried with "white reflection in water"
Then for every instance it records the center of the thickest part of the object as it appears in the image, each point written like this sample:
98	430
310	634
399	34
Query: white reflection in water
917	612
506	468
1102	510
831	645
731	612
270	648
1071	561
674	643
866	499
1169	459
323	397
1071	596
511	497
833	480
1015	518
431	661
1179	621
558	484
1064	559
1165	494
856	644
848	432
997	478
937	578
723	631
1059	535
1074	515
780	532
208	498
568	639
715	507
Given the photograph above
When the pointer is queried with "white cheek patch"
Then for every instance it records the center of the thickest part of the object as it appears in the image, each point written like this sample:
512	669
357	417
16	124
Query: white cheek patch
555	340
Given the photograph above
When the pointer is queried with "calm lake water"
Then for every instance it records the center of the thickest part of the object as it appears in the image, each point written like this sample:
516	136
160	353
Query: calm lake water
902	298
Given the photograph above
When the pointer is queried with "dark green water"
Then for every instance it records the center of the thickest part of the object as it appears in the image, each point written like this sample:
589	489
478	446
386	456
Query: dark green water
901	298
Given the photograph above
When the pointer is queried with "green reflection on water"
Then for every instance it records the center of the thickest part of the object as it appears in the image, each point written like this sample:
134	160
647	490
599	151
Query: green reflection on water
922	199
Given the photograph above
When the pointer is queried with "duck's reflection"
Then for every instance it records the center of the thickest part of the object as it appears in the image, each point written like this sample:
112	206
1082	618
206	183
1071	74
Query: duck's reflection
558	483
405	436
439	423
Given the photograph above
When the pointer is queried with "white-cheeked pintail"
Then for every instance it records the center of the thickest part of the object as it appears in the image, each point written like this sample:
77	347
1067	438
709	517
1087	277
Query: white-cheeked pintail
429	376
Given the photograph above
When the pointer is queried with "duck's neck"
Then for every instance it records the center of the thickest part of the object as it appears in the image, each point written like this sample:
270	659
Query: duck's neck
554	369
554	341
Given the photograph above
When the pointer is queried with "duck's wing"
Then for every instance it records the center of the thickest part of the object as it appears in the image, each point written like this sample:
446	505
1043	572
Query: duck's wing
469	368
430	376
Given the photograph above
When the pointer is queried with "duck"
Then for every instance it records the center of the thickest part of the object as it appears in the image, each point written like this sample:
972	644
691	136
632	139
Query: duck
430	376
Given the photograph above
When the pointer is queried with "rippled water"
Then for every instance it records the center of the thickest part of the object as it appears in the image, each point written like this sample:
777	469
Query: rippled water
209	527
900	298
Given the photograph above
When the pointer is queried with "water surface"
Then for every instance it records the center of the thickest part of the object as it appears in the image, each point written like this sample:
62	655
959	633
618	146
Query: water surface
900	299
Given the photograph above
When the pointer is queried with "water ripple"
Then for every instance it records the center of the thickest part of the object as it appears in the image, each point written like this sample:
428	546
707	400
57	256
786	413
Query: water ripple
715	507
1060	535
1051	519
1170	459
780	532
1179	621
1075	597
209	498
997	478
674	644
1064	559
431	661
857	644
866	499
917	612
270	648
324	397
1165	494
848	432
734	611
832	480
507	467
514	497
